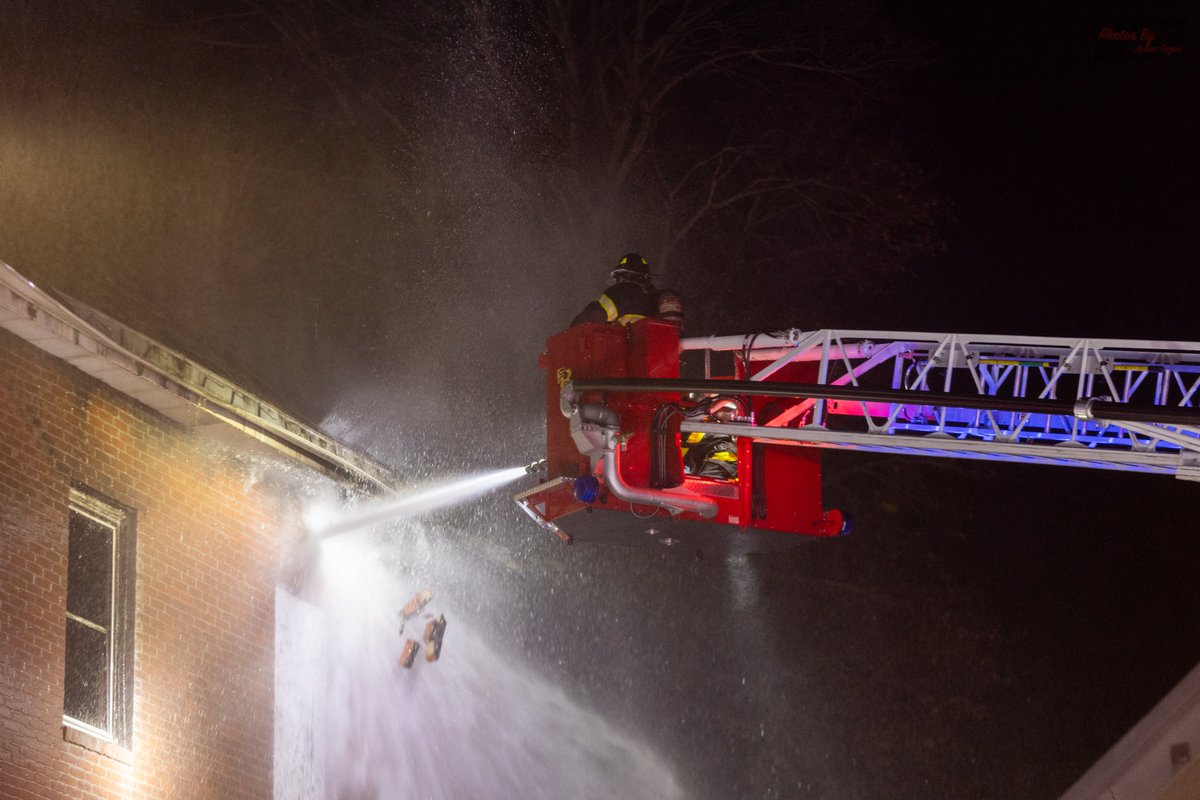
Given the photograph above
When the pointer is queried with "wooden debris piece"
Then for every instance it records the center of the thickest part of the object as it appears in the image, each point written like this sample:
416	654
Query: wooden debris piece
435	629
409	654
414	606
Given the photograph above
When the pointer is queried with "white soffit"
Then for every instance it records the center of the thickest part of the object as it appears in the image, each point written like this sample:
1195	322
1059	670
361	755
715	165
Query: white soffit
169	382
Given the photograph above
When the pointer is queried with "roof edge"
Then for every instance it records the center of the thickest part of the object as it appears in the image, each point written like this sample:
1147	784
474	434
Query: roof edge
1139	763
169	382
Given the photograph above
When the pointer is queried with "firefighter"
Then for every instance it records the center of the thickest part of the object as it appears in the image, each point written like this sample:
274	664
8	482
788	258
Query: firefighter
712	455
632	296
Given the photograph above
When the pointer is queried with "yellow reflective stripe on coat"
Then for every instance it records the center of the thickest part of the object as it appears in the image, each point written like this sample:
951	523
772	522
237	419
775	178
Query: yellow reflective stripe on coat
610	308
629	319
722	456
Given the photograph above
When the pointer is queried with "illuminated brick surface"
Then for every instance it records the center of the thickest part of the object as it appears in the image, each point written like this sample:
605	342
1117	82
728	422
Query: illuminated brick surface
206	546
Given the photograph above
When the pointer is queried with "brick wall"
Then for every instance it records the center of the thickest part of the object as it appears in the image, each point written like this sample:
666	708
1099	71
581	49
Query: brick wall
206	543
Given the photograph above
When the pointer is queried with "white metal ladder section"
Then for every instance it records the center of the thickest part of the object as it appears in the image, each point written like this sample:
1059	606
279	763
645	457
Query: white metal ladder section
1141	373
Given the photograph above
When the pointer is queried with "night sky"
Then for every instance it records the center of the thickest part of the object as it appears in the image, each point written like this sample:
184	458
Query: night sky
988	631
1070	159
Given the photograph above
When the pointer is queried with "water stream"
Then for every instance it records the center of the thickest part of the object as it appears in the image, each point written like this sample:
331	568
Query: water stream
324	522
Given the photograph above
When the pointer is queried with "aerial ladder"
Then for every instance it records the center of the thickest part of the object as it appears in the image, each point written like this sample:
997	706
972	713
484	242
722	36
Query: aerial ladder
624	403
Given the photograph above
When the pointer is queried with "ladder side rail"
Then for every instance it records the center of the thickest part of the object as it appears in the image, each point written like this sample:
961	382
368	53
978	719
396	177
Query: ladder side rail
1059	357
1187	349
892	352
815	340
1101	458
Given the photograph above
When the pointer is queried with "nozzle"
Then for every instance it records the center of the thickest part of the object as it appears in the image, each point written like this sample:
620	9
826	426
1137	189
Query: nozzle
536	467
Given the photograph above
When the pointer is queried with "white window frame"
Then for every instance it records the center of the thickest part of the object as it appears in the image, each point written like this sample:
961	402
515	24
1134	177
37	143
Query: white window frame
119	702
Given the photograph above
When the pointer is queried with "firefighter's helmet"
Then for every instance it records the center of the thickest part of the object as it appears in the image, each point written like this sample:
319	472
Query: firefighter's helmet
632	265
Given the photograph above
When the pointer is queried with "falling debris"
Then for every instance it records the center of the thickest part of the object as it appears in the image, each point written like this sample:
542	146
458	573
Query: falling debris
435	629
409	654
414	606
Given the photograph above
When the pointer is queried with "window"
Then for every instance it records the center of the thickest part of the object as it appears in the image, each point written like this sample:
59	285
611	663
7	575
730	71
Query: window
98	686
